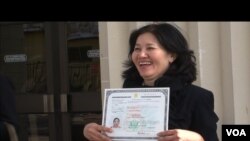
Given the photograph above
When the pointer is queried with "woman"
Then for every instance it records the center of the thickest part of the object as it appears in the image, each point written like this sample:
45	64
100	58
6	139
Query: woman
116	123
159	56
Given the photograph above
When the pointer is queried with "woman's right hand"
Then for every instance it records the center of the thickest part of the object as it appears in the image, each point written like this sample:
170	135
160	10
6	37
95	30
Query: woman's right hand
179	135
96	132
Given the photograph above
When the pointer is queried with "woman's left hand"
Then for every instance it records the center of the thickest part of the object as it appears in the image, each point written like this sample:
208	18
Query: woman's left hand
179	135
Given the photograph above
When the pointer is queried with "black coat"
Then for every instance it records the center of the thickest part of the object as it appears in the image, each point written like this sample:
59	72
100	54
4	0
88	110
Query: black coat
191	107
7	105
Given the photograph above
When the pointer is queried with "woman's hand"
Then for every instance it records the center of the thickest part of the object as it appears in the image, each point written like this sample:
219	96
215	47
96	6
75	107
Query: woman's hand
179	135
95	132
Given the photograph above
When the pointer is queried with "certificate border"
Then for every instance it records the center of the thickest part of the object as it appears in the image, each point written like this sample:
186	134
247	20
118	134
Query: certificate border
165	91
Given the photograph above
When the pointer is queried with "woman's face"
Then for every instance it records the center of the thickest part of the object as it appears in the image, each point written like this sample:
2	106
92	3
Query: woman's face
150	58
116	122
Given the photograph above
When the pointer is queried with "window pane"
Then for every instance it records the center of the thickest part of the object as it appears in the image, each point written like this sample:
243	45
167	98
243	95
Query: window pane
83	56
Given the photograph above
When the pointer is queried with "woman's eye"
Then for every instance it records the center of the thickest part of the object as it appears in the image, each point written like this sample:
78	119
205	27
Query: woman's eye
150	48
136	49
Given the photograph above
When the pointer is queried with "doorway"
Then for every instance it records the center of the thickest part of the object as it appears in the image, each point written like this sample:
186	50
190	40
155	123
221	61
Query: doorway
55	67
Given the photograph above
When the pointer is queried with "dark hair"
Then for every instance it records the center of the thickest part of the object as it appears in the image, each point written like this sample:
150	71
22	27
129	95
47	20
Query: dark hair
172	41
116	119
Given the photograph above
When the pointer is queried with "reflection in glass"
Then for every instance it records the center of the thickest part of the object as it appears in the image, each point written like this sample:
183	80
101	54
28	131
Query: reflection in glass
34	127
83	56
34	43
79	121
22	47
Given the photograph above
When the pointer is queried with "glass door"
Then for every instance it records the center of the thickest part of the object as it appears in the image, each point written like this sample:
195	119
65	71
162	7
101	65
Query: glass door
55	68
84	76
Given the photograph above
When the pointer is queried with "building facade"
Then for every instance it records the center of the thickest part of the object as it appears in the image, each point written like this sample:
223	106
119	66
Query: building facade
61	69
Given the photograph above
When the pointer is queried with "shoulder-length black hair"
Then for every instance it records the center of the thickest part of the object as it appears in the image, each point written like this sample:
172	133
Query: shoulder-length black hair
172	41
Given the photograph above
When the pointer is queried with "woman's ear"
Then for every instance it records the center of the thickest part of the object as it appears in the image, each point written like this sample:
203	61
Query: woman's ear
172	57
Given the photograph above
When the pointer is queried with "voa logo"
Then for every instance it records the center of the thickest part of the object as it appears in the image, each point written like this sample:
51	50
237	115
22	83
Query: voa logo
236	132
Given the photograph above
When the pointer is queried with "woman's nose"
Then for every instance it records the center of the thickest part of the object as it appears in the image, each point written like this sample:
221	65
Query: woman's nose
143	53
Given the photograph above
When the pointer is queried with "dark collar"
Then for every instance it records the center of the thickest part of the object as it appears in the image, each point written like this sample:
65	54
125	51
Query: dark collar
175	83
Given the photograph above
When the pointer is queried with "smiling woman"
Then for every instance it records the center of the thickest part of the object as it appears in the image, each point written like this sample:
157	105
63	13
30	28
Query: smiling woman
159	56
150	58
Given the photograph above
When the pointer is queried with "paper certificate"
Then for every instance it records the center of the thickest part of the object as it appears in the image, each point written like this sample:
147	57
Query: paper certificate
136	113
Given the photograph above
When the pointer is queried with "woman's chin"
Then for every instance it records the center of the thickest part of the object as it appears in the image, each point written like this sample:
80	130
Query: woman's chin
146	76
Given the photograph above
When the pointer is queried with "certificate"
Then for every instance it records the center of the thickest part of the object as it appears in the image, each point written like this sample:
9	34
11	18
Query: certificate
136	113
